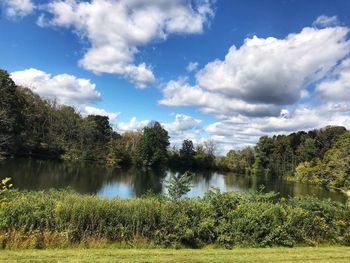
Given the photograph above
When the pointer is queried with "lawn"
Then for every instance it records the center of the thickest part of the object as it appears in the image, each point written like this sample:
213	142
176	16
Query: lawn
304	254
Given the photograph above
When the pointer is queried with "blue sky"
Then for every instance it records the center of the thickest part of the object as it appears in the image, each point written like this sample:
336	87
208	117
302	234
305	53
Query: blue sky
130	60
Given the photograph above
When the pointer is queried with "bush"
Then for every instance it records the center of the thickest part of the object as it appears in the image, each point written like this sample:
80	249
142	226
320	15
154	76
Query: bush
64	218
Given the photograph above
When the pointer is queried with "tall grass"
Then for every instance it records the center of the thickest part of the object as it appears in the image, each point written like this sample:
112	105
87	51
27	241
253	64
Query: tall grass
64	218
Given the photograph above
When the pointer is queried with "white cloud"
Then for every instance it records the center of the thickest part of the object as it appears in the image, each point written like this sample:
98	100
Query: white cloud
17	8
192	66
262	76
275	70
116	29
246	131
89	110
180	93
337	86
65	88
325	21
182	123
183	127
132	125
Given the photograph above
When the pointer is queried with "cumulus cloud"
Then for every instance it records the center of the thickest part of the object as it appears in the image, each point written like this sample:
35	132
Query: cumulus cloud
89	110
180	93
17	8
183	127
116	29
256	89
263	76
65	88
337	86
325	21
132	125
192	66
275	70
244	131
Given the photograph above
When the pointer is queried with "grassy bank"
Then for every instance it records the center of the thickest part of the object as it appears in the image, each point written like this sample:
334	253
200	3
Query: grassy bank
61	219
305	254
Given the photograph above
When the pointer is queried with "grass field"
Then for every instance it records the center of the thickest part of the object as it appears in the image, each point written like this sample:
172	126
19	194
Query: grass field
304	254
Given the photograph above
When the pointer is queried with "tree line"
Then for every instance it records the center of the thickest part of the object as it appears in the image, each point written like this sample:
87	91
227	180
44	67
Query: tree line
33	126
319	156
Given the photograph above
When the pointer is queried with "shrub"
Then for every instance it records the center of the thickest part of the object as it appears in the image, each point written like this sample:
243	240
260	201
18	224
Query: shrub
64	218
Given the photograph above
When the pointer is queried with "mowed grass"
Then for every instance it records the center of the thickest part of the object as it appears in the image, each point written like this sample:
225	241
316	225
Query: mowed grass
302	254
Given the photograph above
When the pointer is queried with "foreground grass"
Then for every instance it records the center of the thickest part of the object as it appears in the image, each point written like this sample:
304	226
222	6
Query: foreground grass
301	254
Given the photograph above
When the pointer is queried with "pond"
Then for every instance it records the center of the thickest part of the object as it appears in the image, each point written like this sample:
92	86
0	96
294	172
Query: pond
87	178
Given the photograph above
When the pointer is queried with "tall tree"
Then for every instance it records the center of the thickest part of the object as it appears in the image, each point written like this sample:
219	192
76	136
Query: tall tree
10	125
152	146
187	154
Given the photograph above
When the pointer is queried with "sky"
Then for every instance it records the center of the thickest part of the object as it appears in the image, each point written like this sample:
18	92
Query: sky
227	70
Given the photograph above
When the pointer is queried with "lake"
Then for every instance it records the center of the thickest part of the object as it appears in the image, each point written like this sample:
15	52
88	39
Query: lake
87	178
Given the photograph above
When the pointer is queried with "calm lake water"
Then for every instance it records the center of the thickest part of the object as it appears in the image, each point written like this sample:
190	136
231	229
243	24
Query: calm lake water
85	178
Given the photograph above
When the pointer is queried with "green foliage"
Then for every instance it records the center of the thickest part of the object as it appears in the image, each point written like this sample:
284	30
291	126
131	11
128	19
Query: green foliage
202	157
240	161
63	218
261	196
152	146
32	126
5	185
333	169
10	107
179	185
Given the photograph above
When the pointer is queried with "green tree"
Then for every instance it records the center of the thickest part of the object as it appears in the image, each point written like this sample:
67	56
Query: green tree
187	153
179	185
152	146
10	124
307	150
333	169
263	151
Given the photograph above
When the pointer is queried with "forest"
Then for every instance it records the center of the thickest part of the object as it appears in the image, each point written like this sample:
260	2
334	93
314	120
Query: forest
37	127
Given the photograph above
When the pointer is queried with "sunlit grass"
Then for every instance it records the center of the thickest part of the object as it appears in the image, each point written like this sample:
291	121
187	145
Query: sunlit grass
301	254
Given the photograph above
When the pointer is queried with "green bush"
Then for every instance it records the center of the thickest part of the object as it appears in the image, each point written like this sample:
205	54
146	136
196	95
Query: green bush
64	218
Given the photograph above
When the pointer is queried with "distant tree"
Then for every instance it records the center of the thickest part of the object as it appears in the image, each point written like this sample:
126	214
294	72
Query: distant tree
204	155
326	136
263	151
232	160
240	161
102	129
152	146
10	108
307	150
187	153
210	147
333	169
187	149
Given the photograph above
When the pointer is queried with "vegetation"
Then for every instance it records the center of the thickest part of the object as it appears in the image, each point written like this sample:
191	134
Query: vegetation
319	156
58	219
110	254
32	126
152	147
179	185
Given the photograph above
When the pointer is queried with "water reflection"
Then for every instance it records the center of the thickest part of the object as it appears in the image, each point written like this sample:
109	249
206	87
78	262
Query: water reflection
32	174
